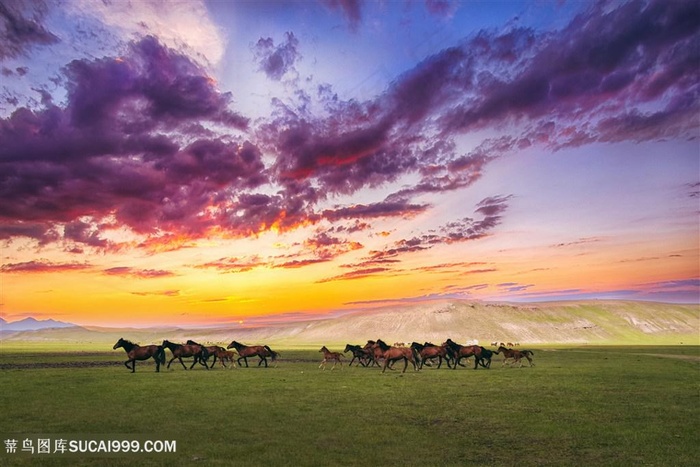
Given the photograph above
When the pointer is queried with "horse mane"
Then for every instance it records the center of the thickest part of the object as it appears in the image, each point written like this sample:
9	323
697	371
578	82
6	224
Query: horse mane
382	345
128	342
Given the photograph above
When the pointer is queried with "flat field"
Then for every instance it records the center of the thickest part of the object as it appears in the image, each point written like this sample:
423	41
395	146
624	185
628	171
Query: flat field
578	406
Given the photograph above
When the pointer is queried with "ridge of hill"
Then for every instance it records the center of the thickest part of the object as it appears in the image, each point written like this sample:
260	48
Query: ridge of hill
574	322
32	324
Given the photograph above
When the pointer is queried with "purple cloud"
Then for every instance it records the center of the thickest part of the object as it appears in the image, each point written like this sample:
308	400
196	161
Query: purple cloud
351	9
42	266
277	61
147	142
113	152
21	27
127	271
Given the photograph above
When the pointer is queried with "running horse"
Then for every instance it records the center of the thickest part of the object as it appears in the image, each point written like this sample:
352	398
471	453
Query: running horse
245	351
393	354
430	351
516	355
357	353
464	351
136	352
328	355
211	350
199	353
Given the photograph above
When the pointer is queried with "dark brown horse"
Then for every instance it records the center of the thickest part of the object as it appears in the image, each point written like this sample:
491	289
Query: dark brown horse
362	355
136	352
393	354
261	351
486	356
374	351
516	355
328	356
458	352
212	350
199	353
428	352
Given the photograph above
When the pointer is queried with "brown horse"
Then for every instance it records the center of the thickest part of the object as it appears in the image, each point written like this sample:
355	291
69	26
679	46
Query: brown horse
225	356
328	355
459	352
245	351
516	355
211	351
393	354
136	352
362	355
374	351
199	353
428	352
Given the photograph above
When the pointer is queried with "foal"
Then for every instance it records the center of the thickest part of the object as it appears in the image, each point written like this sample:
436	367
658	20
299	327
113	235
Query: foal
328	355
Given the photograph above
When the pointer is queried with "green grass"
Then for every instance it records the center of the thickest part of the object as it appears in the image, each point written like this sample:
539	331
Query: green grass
577	406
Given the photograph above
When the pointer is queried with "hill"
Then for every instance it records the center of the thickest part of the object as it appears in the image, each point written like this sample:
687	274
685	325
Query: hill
32	324
576	322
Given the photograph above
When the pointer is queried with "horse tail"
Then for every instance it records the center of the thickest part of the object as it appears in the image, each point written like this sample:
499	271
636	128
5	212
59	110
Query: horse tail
273	354
160	355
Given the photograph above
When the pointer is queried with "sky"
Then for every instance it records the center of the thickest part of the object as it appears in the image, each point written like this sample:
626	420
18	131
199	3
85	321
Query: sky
213	162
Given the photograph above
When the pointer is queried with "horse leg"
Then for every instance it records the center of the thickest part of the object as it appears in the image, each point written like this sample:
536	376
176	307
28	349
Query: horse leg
386	362
182	363
171	360
323	364
157	364
126	364
405	364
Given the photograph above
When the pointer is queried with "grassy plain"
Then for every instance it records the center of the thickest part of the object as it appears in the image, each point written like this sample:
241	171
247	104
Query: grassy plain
577	406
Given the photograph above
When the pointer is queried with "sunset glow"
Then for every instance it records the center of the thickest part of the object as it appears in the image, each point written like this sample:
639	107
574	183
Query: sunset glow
204	162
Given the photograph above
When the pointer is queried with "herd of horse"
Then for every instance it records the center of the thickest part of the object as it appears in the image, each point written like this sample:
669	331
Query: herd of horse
427	353
199	352
373	353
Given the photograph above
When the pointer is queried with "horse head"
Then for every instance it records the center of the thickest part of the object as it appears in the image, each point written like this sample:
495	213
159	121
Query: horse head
382	345
324	349
417	346
233	344
119	343
348	348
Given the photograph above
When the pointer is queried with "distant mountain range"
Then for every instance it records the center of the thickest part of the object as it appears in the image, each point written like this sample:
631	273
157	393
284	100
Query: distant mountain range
32	324
572	322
